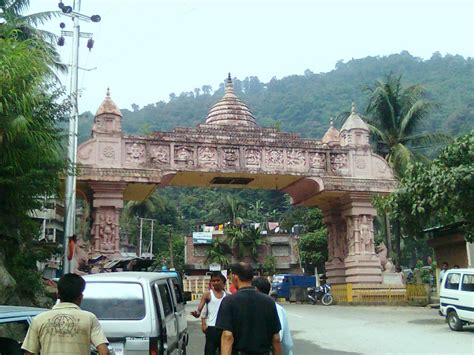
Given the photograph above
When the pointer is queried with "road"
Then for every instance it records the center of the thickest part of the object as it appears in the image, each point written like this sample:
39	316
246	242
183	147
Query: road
362	330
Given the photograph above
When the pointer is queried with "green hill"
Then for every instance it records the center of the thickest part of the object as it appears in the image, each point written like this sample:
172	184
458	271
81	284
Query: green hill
304	103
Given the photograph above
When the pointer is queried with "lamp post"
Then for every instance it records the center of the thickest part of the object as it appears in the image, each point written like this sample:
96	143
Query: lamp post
70	193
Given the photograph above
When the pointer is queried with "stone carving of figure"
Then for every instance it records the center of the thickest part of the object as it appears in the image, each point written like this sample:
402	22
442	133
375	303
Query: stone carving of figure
107	232
231	156
136	152
366	238
338	162
252	157
207	156
160	155
274	157
318	160
296	158
350	235
184	155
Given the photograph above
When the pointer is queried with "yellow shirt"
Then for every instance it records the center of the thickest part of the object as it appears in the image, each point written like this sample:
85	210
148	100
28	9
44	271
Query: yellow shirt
65	330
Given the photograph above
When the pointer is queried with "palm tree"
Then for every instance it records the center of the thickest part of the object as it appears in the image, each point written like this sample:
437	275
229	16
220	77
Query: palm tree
394	116
236	239
218	253
24	28
253	240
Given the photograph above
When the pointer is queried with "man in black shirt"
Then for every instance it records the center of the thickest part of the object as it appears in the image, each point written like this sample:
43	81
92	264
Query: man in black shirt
248	318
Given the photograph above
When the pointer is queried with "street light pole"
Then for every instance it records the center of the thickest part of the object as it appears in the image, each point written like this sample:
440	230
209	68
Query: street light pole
70	198
70	193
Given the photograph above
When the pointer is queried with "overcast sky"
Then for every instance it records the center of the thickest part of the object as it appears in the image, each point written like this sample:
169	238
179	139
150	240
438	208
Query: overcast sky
146	49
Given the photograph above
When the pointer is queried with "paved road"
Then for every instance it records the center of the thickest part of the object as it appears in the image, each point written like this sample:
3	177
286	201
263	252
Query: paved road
363	330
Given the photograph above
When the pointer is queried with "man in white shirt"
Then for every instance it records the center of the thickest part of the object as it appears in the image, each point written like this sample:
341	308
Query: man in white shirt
212	301
264	286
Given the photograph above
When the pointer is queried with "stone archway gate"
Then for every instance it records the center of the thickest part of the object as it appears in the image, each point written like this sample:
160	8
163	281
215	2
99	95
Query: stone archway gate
339	174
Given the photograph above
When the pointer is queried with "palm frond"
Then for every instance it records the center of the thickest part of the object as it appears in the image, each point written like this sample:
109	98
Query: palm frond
416	112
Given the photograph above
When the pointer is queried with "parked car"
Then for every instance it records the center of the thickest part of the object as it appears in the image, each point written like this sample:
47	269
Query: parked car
140	312
457	297
14	324
281	284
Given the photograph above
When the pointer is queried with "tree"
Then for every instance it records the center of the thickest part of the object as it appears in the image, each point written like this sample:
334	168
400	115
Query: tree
31	161
440	193
394	116
314	249
219	253
25	28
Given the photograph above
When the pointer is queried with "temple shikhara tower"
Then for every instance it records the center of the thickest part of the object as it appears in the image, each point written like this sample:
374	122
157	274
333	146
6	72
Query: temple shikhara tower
339	174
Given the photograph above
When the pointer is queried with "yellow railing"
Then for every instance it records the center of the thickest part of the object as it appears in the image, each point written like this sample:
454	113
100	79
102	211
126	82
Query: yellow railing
379	293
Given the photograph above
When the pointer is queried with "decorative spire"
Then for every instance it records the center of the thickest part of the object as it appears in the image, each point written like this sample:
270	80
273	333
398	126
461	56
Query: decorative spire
331	122
108	92
229	87
353	110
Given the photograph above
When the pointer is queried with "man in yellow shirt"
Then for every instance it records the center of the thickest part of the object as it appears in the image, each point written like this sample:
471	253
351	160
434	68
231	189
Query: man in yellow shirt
66	329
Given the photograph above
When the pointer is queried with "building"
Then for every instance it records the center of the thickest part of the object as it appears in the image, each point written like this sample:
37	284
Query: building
449	245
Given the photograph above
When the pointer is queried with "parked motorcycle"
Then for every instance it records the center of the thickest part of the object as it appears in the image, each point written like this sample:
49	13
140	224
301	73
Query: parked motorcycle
320	294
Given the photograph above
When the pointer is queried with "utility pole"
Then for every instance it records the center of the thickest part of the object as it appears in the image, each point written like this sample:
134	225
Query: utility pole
170	240
70	193
140	243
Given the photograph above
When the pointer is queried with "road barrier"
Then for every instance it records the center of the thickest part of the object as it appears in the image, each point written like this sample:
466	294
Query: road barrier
380	293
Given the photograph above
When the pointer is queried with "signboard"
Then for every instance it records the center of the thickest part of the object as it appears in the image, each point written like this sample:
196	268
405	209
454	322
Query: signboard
202	237
215	267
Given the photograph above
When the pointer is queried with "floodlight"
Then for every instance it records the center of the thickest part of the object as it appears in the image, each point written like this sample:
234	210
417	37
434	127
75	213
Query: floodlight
67	9
95	18
90	43
61	41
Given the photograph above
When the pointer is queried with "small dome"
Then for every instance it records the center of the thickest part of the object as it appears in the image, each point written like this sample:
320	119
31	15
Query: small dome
354	121
230	110
331	135
108	106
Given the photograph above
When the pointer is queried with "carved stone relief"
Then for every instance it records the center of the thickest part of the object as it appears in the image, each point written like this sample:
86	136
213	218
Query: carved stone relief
253	157
296	158
366	235
106	229
207	156
160	154
338	162
135	152
85	153
359	162
230	157
274	157
108	152
183	155
317	160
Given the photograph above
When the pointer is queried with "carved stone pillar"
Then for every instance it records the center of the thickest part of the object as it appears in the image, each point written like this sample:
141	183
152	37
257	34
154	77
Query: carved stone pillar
337	246
361	263
107	203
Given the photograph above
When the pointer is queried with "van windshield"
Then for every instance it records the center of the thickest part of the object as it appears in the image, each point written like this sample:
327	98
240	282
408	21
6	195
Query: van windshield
278	279
114	300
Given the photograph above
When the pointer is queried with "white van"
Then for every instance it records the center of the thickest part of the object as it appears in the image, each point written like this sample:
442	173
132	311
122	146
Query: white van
457	297
140	312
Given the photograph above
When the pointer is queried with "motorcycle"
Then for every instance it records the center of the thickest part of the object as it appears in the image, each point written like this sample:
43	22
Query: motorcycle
320	294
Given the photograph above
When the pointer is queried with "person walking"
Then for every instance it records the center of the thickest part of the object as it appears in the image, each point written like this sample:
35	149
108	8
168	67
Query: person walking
212	300
66	329
263	285
444	268
248	319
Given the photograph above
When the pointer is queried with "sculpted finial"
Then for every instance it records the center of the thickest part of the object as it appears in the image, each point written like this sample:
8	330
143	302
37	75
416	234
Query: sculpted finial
353	110
331	122
108	92
229	87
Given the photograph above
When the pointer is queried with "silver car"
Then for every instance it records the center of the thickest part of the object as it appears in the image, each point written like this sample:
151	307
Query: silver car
14	324
140	312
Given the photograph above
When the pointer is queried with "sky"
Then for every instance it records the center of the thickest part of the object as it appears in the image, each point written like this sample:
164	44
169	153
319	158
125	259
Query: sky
146	49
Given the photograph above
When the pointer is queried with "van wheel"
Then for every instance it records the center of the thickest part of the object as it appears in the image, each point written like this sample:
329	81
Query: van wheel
454	321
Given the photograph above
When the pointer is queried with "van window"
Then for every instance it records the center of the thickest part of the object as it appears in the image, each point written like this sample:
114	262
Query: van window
114	300
165	299
452	281
177	291
467	283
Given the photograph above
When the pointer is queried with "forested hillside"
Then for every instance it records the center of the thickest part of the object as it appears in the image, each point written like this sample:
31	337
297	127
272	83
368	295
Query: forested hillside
304	103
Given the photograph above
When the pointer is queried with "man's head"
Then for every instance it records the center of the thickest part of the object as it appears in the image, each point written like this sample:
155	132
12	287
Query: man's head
242	274
262	285
70	288
218	280
445	266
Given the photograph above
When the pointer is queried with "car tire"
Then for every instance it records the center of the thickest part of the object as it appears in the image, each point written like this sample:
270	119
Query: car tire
453	321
